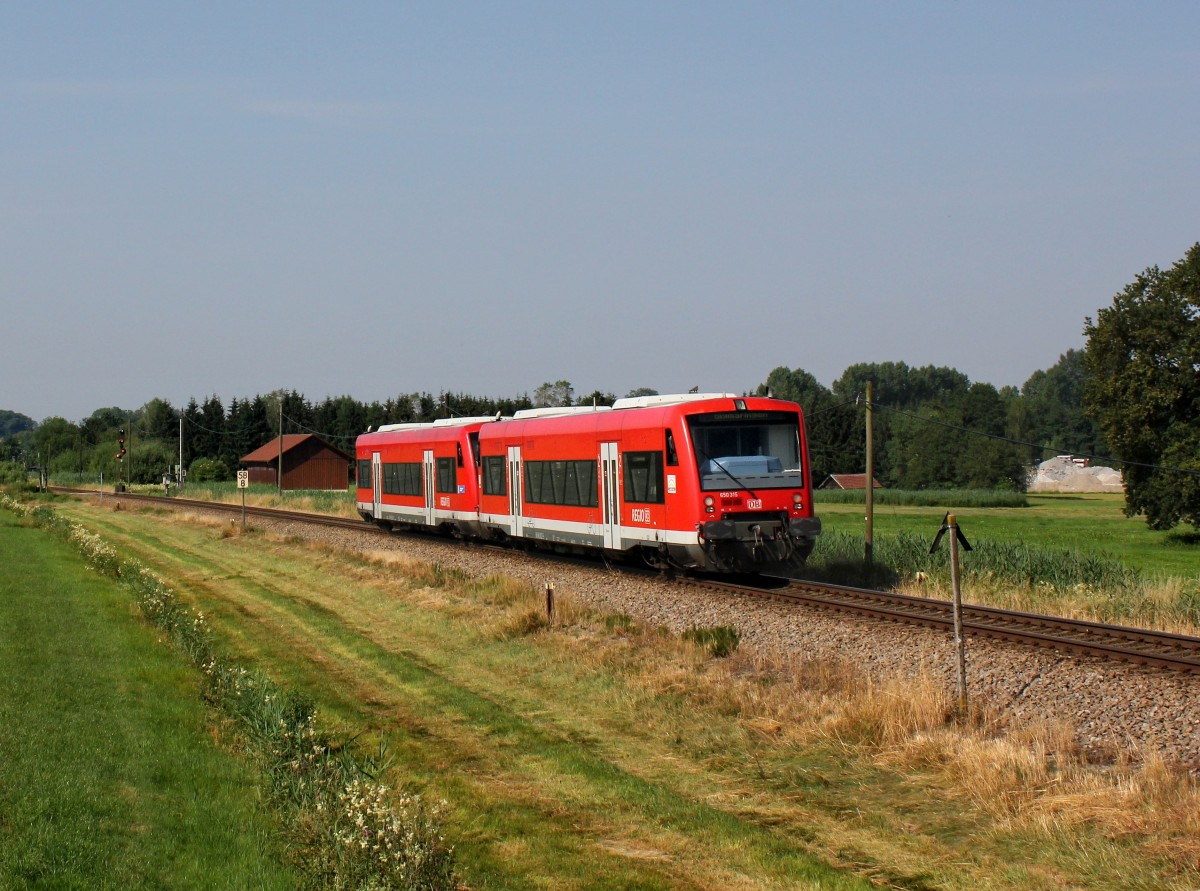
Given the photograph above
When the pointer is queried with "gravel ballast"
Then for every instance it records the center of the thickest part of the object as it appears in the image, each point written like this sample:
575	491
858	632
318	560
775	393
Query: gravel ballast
1112	707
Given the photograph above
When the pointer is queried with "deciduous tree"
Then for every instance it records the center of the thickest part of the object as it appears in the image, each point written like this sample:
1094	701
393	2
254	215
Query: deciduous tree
1143	389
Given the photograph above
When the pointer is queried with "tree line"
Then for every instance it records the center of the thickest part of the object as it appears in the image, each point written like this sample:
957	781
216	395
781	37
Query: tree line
954	452
1134	392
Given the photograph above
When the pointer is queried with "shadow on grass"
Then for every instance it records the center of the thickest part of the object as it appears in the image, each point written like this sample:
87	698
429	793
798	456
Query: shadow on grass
851	573
1183	539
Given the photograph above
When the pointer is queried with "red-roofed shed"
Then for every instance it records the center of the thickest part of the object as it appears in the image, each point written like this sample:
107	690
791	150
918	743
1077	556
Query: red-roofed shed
309	462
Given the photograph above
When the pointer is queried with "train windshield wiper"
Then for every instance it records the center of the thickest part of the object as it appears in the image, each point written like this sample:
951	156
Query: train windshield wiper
725	470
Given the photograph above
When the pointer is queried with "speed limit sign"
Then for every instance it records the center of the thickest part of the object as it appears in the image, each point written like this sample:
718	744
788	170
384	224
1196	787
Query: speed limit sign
243	479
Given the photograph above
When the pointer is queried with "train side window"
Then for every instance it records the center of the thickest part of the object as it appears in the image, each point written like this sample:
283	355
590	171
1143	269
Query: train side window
643	477
672	455
402	479
458	448
447	476
473	438
495	479
570	483
364	474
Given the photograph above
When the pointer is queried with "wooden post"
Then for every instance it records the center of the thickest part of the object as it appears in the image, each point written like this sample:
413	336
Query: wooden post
869	554
550	602
279	471
960	643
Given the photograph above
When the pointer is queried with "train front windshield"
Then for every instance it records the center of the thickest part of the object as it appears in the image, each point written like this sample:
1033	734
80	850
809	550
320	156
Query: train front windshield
747	450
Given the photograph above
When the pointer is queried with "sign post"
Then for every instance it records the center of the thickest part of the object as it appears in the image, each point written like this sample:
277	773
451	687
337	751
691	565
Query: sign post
950	524
243	477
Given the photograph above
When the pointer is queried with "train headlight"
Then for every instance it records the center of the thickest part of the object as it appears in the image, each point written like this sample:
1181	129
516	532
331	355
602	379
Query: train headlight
708	504
798	500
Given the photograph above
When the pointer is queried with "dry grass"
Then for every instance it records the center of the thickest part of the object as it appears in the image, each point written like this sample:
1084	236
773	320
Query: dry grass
1154	604
1034	779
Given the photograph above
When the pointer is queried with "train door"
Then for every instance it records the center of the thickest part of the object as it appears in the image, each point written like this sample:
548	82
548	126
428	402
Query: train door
610	494
377	485
430	489
515	492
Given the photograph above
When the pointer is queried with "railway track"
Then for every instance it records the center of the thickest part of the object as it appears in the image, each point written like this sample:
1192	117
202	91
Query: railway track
1153	649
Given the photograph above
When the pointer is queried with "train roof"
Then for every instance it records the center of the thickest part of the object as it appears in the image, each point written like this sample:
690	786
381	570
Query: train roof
557	411
668	399
628	414
440	422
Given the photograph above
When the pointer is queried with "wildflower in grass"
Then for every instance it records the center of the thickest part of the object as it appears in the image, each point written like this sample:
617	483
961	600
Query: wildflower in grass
379	840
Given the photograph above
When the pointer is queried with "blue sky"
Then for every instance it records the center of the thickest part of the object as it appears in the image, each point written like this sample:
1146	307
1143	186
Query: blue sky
376	198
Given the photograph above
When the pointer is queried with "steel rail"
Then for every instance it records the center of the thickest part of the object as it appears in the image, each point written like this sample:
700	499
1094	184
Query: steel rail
1157	649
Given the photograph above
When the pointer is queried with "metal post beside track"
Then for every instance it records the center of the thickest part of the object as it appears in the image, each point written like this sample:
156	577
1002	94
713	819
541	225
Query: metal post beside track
243	482
950	524
960	642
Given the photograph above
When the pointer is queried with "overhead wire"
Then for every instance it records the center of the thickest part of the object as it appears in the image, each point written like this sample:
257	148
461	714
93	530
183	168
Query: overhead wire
1033	445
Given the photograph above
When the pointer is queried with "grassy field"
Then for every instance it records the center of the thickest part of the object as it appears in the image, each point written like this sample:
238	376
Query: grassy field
600	754
109	776
1093	523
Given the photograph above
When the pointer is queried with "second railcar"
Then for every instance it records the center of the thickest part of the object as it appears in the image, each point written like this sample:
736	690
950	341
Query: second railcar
421	475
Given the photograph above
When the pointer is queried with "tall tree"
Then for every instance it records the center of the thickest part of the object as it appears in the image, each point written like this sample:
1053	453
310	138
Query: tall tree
1052	410
554	394
191	420
828	424
1143	389
208	435
159	421
12	423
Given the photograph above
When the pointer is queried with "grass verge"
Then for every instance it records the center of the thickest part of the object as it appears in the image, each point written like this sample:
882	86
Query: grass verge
109	777
345	829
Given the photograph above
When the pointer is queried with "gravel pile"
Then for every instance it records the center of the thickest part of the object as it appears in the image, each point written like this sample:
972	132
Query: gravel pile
1112	707
1061	474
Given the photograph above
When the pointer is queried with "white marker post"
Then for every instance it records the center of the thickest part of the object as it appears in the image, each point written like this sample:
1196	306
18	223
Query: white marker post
243	484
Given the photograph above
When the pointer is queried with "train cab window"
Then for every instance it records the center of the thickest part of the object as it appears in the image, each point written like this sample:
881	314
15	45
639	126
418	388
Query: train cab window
747	450
458	451
447	475
495	479
364	474
672	455
473	438
643	477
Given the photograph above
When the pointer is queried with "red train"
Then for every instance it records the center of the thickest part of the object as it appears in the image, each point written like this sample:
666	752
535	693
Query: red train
713	482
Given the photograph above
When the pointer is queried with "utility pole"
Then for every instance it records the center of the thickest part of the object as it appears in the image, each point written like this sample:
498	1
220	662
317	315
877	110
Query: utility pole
180	480
869	556
279	474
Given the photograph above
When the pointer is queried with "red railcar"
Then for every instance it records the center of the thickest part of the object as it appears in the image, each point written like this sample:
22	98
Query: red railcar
423	475
712	482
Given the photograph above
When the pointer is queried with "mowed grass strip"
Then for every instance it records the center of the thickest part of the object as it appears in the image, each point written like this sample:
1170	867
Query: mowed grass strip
534	802
589	758
110	777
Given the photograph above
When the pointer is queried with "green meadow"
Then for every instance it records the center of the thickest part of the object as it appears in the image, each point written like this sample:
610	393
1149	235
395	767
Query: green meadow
110	776
1081	523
